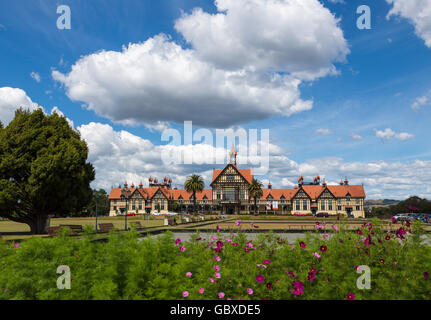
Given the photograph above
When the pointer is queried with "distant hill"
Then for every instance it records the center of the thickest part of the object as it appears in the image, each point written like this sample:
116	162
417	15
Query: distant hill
380	203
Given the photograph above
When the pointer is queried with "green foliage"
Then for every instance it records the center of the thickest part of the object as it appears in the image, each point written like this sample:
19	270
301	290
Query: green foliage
194	183
255	191
43	169
100	197
156	268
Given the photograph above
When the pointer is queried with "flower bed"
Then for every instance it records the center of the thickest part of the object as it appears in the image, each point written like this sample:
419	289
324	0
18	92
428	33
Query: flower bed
318	266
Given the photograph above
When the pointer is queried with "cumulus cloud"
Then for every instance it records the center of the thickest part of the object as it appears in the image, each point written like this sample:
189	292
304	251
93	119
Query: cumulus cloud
418	12
389	134
245	63
10	100
159	81
120	156
322	131
301	37
35	76
356	136
422	101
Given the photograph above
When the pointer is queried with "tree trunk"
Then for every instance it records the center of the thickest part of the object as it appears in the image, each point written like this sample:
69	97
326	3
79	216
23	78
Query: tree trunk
255	206
194	203
38	224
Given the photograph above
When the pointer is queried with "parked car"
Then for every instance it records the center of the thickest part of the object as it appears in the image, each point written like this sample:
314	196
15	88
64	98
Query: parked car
424	217
400	217
131	214
322	215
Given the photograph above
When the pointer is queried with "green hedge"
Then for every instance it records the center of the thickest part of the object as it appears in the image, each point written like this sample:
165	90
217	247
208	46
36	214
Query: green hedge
156	268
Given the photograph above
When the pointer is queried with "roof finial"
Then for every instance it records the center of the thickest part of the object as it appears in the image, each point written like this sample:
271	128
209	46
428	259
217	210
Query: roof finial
233	155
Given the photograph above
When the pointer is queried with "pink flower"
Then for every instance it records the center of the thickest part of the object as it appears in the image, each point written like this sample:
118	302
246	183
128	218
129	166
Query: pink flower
216	268
182	249
250	291
228	240
260	278
217	258
266	261
238	222
335	227
16	245
235	244
218	228
185	294
188	274
217	249
217	275
350	296
221	295
201	290
315	254
211	280
214	237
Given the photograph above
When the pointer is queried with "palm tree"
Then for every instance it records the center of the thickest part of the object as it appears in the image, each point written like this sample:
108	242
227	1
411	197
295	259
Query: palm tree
194	183
255	191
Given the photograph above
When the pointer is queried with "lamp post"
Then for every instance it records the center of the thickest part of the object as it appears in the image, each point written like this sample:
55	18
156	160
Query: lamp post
125	194
96	214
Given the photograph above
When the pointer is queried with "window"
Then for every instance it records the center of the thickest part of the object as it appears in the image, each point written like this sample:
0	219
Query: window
140	205
162	205
282	199
322	205
358	201
330	205
133	205
348	198
339	208
304	205
229	194
230	178
115	201
242	194
298	205
358	208
115	208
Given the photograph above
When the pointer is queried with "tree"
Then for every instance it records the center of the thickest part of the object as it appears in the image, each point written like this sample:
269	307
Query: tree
43	169
101	197
194	183
255	191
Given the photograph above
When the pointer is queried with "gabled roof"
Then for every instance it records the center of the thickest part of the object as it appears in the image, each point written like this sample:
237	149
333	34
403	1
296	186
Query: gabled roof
342	191
247	174
187	195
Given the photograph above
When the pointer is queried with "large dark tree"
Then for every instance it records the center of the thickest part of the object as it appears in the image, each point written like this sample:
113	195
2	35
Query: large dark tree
255	191
43	169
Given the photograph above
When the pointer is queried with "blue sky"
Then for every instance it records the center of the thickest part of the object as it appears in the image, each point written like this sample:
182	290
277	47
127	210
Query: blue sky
386	70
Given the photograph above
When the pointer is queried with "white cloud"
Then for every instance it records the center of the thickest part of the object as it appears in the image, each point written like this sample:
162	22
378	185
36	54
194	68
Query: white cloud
418	12
10	100
389	134
159	126
246	63
159	81
35	76
300	37
356	136
422	101
322	131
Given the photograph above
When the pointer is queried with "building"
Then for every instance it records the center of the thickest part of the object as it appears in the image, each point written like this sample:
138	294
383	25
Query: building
229	195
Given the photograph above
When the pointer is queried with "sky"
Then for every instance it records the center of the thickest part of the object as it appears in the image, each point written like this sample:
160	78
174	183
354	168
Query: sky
338	101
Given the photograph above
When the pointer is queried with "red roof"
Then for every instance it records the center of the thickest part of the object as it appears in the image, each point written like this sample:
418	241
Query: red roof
247	174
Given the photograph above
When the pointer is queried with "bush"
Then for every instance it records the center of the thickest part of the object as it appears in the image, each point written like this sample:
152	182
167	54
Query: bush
315	267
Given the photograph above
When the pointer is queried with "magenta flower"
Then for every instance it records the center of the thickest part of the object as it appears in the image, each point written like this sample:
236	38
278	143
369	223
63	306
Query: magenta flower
235	244
217	275
201	290
221	295
302	244
298	288
426	275
185	294
335	227
269	285
216	268
178	241
16	245
217	258
214	237
250	291
247	249
218	228
238	223
182	249
394	220
219	244
260	278
267	261
350	296
323	248
188	274
211	279
359	232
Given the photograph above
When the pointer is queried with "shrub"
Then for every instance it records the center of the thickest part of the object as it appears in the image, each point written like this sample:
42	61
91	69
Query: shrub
317	266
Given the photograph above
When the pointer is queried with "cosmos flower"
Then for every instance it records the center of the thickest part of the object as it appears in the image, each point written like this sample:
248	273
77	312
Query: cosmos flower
221	295
388	237
218	228
335	227
219	244
16	245
188	274
426	275
323	248
235	244
302	244
185	294
201	290
177	241
260	278
316	255
266	261
211	279
182	249
217	275
217	258
238	223
350	296
250	291
216	268
269	285
359	232
298	288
